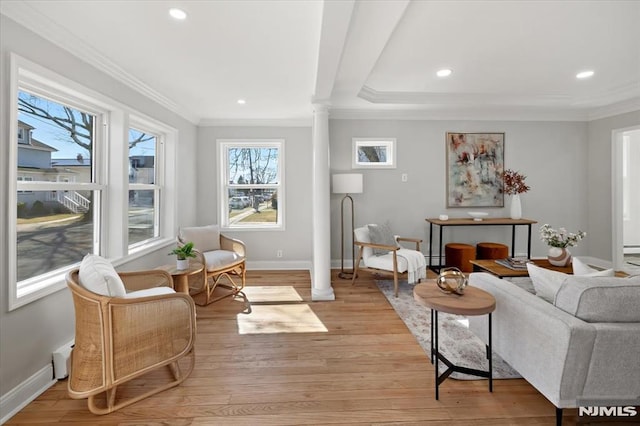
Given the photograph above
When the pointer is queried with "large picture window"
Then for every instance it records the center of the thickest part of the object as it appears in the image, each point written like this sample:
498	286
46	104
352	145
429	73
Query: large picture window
252	188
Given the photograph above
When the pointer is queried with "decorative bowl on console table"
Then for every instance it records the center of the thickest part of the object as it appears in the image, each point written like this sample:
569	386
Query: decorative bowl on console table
477	216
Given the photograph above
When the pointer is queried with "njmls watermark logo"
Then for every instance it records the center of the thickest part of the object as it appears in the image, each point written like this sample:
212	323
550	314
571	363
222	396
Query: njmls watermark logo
608	411
620	410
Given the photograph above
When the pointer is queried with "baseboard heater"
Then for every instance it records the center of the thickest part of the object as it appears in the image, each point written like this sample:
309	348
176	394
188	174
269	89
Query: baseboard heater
62	361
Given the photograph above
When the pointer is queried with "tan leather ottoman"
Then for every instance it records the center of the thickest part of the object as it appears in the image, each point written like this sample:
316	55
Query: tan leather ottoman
459	255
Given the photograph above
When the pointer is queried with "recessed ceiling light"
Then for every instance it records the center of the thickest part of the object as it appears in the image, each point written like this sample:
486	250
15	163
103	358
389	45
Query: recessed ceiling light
178	13
242	101
584	74
444	72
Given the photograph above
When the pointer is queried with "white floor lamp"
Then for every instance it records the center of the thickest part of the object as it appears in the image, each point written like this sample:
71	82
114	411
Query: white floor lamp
348	183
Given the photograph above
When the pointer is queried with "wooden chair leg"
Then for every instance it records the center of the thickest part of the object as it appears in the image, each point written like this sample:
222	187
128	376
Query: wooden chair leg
356	266
112	405
395	274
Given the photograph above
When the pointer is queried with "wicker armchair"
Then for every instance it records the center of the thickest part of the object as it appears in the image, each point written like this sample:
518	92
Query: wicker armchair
224	260
120	338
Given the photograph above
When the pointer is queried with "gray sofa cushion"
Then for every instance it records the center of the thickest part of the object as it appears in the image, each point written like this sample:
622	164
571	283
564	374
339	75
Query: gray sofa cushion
600	299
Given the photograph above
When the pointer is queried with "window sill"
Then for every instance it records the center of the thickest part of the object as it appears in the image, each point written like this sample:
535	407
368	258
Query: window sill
42	286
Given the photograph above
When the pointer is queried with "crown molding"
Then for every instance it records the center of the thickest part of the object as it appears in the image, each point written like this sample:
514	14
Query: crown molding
461	99
630	105
239	122
32	19
469	114
616	95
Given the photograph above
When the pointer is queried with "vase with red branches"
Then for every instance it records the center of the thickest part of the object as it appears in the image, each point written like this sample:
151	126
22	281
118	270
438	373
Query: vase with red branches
513	184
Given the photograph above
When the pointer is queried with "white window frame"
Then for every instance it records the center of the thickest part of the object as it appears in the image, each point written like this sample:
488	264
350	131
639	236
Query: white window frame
160	132
224	186
388	144
22	136
110	171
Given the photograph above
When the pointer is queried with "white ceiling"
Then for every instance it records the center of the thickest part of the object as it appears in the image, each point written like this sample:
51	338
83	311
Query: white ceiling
510	59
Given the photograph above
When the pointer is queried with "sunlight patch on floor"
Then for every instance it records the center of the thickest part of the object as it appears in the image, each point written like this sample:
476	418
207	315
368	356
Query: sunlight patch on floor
274	293
271	319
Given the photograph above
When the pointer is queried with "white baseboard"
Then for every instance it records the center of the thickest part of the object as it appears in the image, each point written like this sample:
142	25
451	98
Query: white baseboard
18	398
268	265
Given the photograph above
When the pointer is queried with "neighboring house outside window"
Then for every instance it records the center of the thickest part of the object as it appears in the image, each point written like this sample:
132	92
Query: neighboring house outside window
251	184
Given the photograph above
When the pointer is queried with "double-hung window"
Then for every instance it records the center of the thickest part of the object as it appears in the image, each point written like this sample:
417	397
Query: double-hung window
251	184
58	190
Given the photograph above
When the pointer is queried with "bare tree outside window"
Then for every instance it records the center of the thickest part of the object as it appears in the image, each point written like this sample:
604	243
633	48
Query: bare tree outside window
253	180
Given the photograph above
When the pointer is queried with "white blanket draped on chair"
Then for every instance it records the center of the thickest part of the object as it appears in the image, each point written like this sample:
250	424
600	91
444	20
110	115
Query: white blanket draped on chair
416	265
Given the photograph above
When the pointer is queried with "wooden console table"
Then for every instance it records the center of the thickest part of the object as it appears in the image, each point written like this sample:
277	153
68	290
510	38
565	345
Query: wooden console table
503	221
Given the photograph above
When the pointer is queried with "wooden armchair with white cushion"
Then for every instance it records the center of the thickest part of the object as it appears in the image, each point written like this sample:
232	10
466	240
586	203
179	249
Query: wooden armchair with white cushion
224	260
379	249
127	324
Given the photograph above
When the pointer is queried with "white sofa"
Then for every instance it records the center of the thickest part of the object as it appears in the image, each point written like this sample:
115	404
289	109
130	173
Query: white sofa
581	350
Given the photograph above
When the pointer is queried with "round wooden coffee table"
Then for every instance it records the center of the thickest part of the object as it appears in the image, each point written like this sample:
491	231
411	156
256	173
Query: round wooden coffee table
474	302
181	276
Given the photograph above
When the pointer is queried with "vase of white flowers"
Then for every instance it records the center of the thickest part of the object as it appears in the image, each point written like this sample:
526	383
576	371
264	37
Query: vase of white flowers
558	241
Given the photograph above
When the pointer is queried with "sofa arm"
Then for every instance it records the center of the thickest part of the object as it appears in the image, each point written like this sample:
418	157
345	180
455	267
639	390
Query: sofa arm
614	370
548	347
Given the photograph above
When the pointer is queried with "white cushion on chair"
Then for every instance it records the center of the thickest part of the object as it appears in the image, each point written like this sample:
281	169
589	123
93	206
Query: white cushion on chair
204	238
98	276
217	258
153	291
385	262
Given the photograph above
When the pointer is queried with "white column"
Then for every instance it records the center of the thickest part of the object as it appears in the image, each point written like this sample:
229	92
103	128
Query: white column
321	274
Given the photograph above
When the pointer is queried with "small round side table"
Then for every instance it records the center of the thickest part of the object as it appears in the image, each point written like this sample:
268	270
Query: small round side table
475	301
181	276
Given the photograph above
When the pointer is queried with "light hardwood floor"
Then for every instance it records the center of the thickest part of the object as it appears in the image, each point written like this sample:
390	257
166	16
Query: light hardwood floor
366	368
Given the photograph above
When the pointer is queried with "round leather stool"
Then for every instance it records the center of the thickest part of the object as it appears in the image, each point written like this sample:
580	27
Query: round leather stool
491	251
459	255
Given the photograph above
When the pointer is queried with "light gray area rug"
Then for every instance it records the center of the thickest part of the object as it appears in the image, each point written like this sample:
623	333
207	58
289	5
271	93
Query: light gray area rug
457	343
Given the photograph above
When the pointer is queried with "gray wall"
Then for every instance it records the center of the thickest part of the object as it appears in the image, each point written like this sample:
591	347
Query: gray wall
599	181
551	154
295	240
29	334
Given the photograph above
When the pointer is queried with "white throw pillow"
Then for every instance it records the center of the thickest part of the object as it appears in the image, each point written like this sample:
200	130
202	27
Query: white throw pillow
547	282
98	276
204	238
581	268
